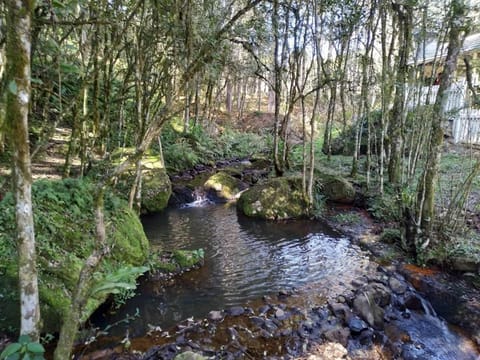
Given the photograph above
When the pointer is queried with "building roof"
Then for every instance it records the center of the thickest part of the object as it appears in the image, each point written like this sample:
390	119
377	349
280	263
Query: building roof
437	50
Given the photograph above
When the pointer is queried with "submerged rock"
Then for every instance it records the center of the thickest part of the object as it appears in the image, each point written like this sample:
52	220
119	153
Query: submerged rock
277	199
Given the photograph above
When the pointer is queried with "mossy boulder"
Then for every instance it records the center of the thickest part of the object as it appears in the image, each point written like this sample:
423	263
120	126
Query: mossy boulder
65	236
156	186
336	189
222	186
279	198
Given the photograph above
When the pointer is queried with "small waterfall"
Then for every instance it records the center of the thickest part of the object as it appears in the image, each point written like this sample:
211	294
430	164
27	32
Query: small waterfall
427	307
200	199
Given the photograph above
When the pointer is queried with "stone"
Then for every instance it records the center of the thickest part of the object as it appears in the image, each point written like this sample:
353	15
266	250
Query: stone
340	310
397	286
190	355
270	326
280	314
156	185
364	304
414	302
276	199
357	325
329	351
263	309
465	264
338	334
257	320
215	315
221	187
336	189
235	311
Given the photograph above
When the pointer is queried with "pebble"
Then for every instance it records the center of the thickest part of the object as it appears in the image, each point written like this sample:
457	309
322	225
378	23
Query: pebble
215	315
357	325
235	311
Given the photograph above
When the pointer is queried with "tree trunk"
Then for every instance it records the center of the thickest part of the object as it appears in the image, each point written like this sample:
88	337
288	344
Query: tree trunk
426	195
18	47
396	129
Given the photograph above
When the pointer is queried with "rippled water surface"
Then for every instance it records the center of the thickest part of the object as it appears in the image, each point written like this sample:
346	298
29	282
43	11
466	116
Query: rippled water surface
244	260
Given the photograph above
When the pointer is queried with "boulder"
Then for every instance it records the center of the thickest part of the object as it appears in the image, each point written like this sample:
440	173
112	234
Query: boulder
65	236
223	187
369	304
156	186
336	189
276	199
156	190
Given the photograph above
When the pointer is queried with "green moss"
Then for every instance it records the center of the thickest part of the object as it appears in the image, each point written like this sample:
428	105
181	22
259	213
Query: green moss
65	235
156	190
335	188
391	236
279	198
225	185
156	186
188	258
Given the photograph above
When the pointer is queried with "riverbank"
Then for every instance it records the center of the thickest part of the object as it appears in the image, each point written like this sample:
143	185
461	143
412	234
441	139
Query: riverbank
331	312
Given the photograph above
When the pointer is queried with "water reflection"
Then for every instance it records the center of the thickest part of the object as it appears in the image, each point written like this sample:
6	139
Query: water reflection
244	259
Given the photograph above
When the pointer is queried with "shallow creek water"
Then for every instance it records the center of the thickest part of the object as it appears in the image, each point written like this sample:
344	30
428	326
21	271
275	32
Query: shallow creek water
246	260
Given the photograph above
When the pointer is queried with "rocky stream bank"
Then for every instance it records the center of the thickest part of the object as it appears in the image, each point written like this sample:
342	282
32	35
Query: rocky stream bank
380	313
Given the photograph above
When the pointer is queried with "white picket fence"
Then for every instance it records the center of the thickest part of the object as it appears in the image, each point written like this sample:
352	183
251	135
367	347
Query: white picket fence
465	120
466	127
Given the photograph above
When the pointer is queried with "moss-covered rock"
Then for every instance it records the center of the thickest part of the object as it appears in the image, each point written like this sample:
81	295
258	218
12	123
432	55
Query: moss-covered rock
177	261
222	186
156	186
336	189
65	235
279	198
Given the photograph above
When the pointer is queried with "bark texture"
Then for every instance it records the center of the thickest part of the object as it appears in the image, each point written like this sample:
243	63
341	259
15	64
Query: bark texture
18	53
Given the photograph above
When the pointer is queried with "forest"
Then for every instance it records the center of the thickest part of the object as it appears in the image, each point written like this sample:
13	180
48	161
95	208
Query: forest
363	115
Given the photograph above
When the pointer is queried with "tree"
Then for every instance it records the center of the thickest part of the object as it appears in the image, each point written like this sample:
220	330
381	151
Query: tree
18	53
426	189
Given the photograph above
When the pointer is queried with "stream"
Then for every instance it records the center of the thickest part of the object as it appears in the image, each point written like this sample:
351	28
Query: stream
245	259
249	262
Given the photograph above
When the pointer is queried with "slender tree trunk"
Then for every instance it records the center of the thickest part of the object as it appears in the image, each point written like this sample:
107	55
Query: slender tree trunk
405	16
18	47
427	191
277	90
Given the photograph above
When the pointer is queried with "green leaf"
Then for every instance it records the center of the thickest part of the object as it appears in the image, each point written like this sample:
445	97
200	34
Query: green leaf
58	4
12	87
10	349
15	356
35	347
24	339
27	357
37	81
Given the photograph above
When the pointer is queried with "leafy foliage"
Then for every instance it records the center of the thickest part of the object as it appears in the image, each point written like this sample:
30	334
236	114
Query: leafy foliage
65	236
183	151
24	349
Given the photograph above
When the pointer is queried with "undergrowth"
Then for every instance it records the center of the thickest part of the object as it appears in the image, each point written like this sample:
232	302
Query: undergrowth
185	150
